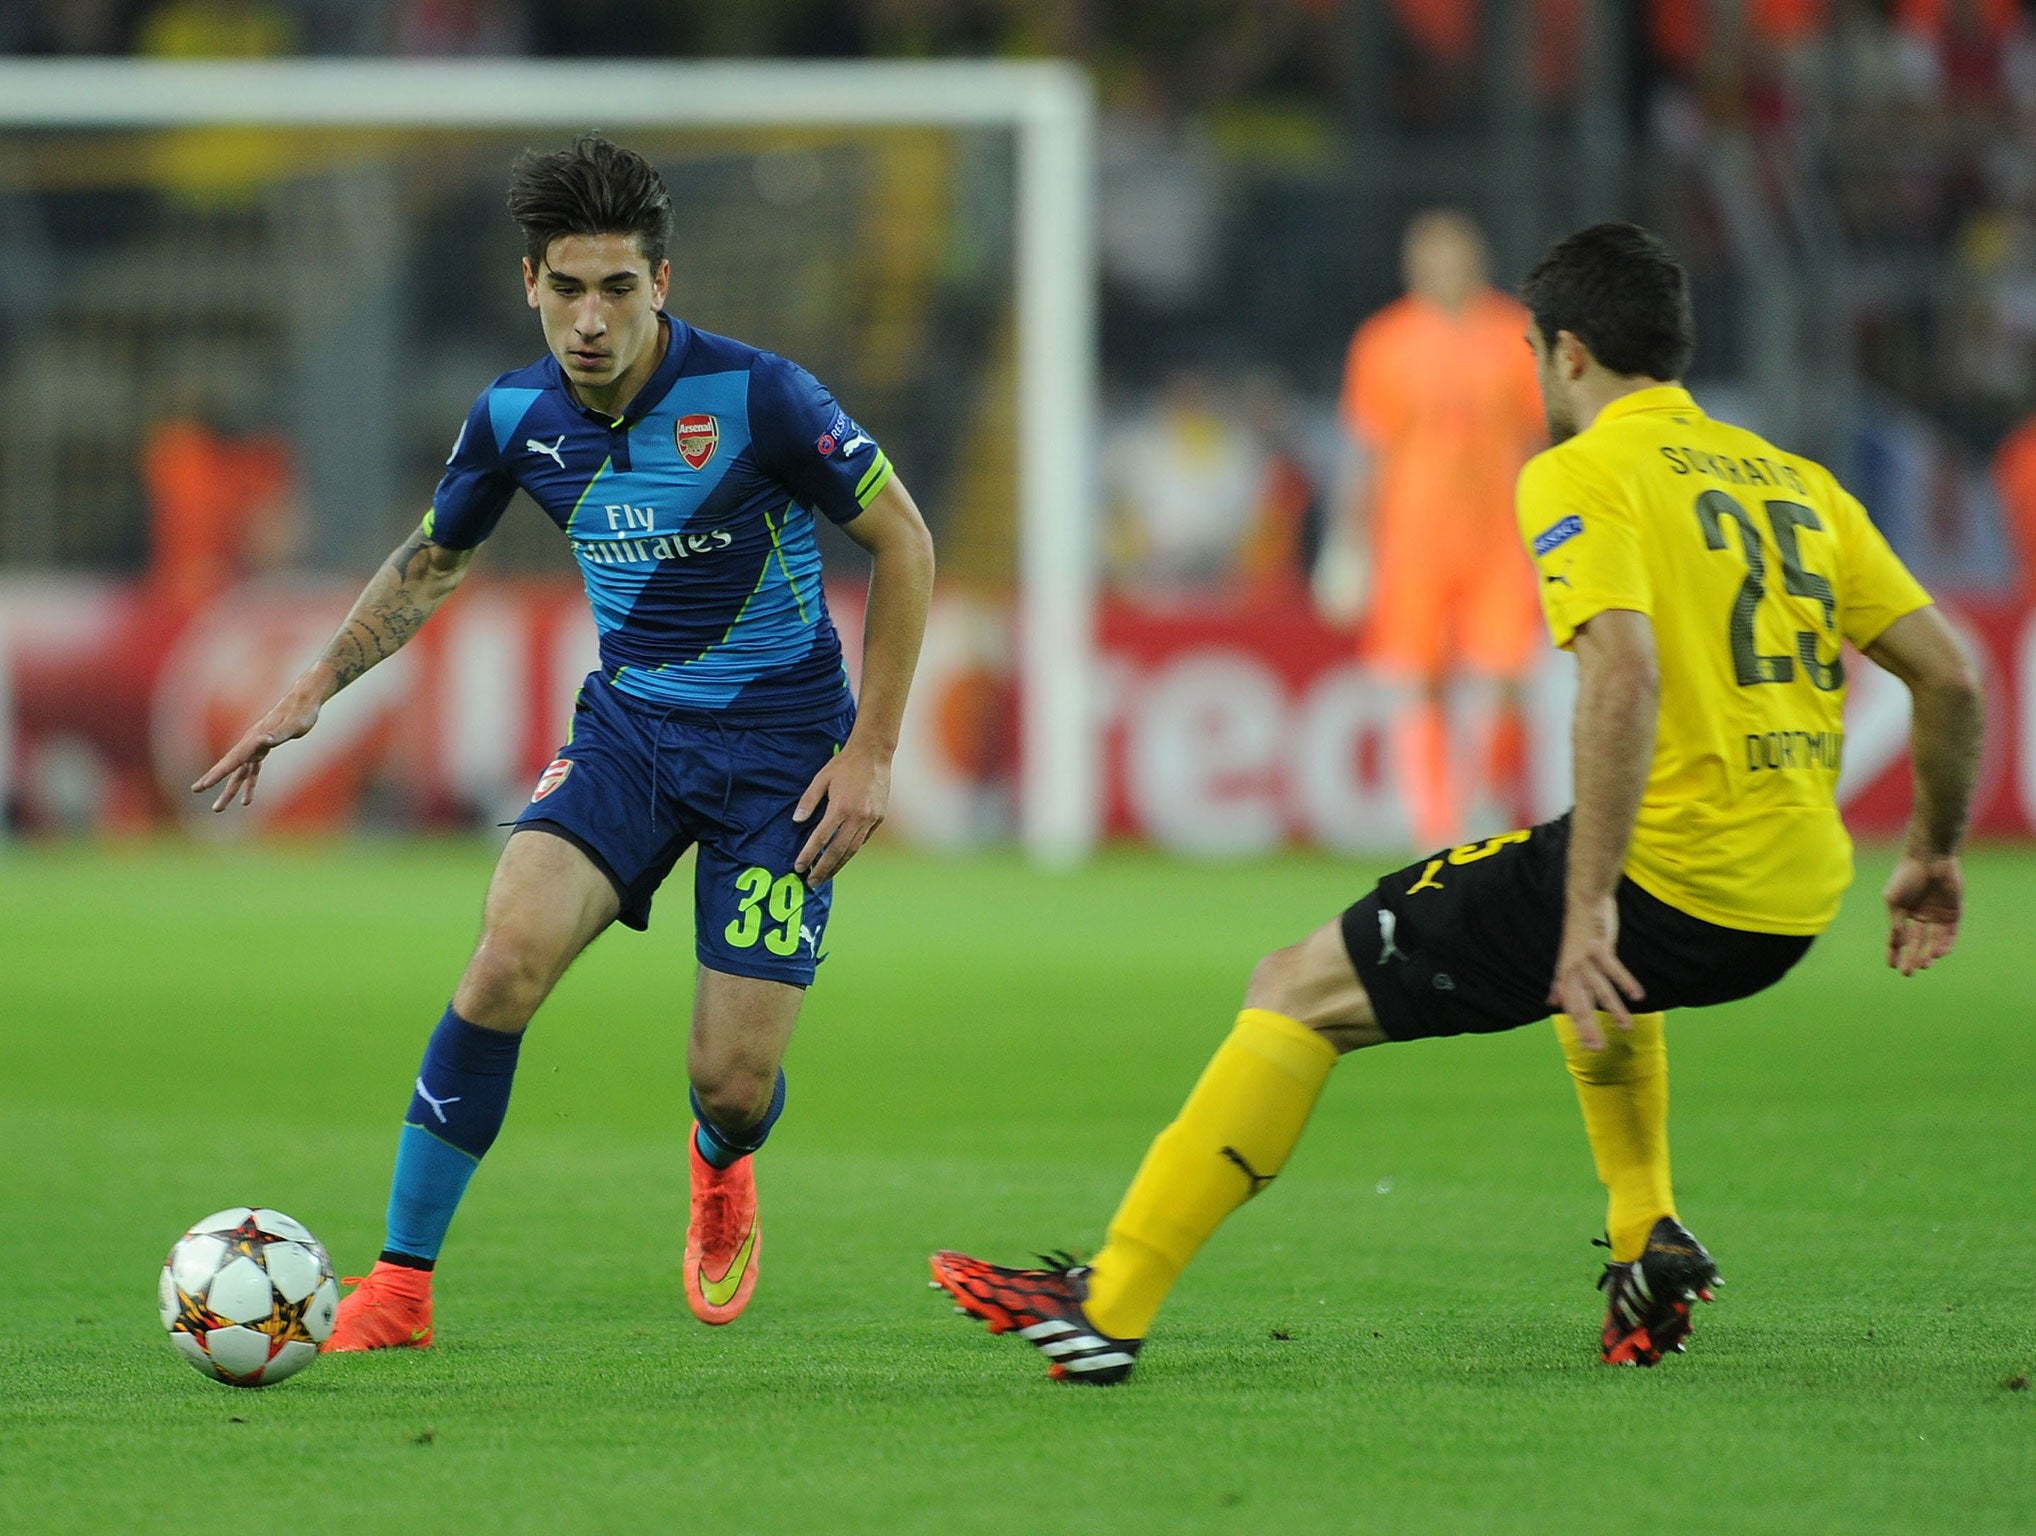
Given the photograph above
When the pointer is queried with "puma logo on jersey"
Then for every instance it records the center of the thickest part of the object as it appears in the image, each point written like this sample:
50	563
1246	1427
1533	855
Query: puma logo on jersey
1389	926
861	439
436	1106
551	451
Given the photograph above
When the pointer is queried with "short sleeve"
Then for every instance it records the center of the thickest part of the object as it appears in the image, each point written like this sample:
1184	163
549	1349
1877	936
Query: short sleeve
475	487
1586	547
1876	588
808	443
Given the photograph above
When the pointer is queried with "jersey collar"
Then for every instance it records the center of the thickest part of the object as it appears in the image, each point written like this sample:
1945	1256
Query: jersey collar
1659	397
678	338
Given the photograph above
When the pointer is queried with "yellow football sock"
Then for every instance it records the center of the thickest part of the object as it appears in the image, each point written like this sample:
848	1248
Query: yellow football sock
1624	1093
1234	1133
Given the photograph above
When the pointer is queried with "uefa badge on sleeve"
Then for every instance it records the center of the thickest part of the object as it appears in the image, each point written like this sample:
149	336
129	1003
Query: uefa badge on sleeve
698	436
551	778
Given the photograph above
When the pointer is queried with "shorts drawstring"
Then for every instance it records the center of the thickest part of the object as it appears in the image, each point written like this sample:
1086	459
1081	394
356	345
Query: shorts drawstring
728	767
657	748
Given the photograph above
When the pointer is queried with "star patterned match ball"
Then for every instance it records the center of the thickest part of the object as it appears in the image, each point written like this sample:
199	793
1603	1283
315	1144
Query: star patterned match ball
248	1295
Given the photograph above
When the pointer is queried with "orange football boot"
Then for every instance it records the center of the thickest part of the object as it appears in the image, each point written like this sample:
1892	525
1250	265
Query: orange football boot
724	1240
390	1309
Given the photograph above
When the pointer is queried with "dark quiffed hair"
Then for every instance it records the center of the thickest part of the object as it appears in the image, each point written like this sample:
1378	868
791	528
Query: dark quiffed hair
1616	288
593	188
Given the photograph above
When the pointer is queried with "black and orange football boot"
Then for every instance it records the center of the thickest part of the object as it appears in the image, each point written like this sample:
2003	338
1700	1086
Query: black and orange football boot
1044	1308
1648	1299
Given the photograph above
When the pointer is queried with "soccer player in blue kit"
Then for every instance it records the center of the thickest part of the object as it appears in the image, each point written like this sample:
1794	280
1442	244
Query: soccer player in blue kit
685	468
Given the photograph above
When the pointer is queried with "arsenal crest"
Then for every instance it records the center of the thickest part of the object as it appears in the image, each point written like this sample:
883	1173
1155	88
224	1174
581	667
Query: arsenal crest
698	437
555	775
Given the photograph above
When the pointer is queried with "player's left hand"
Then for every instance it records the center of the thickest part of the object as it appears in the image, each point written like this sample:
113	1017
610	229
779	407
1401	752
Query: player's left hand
1589	977
856	786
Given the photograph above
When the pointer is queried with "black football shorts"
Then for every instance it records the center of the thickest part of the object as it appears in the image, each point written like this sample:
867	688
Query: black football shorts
1465	942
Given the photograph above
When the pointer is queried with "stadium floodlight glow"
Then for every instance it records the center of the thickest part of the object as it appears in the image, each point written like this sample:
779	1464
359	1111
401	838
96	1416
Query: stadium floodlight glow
1048	106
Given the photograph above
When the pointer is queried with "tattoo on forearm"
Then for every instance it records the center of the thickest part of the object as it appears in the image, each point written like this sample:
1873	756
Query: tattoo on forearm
349	652
382	621
400	618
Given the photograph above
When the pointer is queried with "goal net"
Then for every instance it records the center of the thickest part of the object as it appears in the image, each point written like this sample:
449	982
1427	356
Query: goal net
252	303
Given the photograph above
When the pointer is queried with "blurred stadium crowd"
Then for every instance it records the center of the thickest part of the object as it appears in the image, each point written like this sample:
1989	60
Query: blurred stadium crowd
1851	182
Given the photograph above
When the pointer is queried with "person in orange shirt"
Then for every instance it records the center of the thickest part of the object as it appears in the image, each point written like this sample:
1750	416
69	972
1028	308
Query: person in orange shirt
221	508
1440	393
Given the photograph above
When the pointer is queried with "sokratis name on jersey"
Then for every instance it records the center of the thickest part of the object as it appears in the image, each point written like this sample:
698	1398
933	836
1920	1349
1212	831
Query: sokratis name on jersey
633	547
1733	471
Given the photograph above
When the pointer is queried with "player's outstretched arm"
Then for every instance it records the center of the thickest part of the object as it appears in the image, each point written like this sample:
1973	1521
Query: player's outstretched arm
1618	697
1926	893
404	592
856	784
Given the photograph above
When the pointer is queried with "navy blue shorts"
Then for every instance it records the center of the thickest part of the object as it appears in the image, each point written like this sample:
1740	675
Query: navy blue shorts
634	787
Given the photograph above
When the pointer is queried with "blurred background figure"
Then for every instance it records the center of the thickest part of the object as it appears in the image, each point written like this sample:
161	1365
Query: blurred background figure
216	29
223	507
1182	479
1852	184
1288	521
1440	397
1211	491
2015	481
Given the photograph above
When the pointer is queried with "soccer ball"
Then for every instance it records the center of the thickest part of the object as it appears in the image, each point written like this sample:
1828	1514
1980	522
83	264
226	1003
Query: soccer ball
248	1295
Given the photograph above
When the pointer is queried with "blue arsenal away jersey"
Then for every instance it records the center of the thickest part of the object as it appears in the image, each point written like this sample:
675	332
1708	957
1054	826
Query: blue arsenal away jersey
691	515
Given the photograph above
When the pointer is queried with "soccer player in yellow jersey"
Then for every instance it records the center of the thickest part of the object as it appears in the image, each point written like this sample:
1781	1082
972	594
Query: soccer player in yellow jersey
1707	583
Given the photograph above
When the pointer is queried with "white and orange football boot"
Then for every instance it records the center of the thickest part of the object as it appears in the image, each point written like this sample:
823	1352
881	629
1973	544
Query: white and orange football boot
389	1309
724	1239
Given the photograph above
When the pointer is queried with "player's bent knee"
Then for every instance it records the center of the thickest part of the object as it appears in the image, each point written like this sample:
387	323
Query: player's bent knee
736	1101
1314	983
1273	983
505	982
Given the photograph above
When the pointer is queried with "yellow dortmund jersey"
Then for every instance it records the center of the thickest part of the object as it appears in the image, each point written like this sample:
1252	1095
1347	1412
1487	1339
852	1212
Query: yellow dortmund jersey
1753	565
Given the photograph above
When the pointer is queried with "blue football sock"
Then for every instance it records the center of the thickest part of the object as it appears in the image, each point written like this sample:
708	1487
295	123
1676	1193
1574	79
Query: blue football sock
462	1093
723	1148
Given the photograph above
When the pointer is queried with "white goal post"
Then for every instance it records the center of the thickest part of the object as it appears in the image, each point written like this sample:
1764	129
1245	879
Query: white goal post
1049	107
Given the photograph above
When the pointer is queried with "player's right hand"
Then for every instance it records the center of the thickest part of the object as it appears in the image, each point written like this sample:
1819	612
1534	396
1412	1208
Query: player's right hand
294	714
1926	898
1590	978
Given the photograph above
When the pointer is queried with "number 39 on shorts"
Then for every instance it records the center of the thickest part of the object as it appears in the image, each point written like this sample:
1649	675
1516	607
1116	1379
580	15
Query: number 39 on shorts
780	899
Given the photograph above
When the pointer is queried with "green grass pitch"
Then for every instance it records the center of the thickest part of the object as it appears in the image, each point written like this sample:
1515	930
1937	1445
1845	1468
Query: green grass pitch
1399	1338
